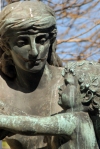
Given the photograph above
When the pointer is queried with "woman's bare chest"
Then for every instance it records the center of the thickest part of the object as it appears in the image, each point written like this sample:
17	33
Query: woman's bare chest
40	102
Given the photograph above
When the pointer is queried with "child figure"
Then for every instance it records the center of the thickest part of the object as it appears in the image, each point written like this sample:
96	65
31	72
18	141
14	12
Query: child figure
72	128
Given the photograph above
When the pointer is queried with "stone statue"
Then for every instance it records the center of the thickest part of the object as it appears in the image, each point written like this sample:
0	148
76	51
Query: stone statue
30	77
30	68
72	128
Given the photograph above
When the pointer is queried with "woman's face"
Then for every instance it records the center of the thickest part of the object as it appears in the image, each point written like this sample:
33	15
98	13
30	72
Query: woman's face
29	49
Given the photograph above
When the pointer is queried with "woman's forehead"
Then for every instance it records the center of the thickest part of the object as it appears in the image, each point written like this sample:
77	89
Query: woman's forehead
28	31
13	35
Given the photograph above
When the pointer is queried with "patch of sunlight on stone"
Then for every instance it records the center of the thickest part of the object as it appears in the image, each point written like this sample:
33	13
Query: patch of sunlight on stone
5	145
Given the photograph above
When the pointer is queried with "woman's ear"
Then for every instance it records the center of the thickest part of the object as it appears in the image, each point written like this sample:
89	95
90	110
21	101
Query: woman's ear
57	61
7	49
7	65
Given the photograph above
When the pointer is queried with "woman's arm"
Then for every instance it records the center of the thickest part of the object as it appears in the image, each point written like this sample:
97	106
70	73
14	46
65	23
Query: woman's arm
61	124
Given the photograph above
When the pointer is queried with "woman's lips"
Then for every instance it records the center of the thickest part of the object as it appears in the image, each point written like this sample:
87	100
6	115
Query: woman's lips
33	63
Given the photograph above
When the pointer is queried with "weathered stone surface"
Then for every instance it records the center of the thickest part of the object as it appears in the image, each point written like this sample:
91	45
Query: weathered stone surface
29	82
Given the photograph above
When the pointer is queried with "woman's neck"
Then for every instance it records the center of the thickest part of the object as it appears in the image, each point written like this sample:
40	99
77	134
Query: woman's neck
30	81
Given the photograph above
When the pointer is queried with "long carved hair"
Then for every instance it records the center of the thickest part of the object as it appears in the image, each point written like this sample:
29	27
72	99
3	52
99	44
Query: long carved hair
21	16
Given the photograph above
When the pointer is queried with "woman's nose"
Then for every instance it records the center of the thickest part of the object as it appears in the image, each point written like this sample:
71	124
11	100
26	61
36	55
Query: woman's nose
33	53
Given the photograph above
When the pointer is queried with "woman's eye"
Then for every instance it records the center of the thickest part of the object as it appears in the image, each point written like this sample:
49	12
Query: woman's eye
21	43
41	39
